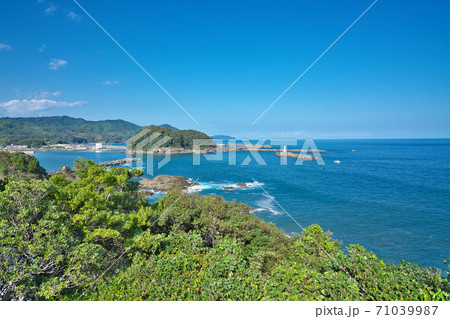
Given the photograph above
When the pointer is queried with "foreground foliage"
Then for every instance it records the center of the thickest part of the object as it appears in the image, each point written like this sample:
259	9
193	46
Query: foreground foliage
19	165
96	238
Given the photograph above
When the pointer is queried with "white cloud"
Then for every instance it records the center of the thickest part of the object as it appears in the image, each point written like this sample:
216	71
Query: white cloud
55	64
5	47
42	48
46	94
25	106
110	82
50	10
73	16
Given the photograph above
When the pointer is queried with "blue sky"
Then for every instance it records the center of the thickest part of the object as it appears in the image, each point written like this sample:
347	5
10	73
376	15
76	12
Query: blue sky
227	61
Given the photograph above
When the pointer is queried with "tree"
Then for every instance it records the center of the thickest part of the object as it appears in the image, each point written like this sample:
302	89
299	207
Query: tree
96	238
34	239
57	236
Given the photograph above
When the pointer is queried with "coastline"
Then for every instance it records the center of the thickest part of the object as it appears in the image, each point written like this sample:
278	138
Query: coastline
227	149
363	190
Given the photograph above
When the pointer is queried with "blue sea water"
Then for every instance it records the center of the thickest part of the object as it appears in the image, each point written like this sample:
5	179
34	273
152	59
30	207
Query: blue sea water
391	196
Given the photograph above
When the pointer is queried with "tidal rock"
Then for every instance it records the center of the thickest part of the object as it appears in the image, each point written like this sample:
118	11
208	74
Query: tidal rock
145	193
228	188
162	183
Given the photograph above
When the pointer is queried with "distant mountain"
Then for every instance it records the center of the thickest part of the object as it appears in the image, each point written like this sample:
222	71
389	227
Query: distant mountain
223	137
38	131
169	126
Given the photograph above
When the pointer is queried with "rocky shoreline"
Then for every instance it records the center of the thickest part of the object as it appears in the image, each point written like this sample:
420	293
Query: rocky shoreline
162	183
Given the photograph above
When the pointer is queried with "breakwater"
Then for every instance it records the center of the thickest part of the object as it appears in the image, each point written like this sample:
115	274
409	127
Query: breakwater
119	162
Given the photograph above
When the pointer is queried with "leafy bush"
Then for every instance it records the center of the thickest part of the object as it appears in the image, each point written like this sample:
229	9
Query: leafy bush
96	238
18	164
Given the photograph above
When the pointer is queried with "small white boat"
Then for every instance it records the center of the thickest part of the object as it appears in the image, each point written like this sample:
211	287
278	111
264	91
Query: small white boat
353	150
337	162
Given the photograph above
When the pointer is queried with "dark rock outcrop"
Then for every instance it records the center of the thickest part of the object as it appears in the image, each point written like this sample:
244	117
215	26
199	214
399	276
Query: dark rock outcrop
233	187
145	193
228	188
162	183
65	170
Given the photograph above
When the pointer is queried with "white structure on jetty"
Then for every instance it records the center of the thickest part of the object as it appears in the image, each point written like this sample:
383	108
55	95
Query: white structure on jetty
98	146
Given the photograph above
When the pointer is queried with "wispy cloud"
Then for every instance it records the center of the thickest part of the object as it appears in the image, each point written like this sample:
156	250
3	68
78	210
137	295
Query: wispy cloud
55	64
45	94
14	107
110	82
73	16
50	10
42	48
5	47
41	94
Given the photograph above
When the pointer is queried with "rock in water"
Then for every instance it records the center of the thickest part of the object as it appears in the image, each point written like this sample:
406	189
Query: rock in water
228	188
162	183
145	193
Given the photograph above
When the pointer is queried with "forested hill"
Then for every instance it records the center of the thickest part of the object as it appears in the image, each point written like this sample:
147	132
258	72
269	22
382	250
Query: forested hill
38	131
178	138
169	126
19	165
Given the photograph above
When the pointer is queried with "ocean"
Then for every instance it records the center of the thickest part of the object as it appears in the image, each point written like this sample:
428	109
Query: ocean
390	196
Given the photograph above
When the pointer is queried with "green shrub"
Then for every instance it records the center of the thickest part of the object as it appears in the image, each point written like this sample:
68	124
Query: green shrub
96	238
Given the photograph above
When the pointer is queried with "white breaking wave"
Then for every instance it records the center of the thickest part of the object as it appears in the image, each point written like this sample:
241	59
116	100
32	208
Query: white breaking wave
247	185
198	188
267	203
155	193
213	186
219	186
